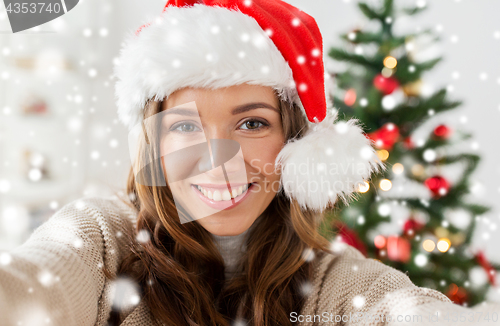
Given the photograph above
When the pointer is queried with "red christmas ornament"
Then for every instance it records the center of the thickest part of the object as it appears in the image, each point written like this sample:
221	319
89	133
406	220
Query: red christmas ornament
386	85
385	137
438	185
398	249
350	237
350	97
481	259
408	143
380	241
457	294
412	225
442	131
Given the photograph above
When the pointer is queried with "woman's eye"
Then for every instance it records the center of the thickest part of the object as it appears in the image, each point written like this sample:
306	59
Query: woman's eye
185	127
253	125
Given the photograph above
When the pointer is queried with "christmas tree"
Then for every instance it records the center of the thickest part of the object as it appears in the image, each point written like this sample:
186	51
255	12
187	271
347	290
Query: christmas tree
412	216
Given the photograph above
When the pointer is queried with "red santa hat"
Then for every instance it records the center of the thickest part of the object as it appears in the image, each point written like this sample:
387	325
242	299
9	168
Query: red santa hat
220	43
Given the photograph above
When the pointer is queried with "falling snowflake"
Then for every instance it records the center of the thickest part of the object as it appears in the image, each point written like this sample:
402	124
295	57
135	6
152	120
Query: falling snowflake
143	236
124	293
308	254
215	29
337	245
113	143
92	73
5	258
78	243
421	260
46	278
4	186
239	322
79	204
87	32
306	288
358	301
103	32
341	127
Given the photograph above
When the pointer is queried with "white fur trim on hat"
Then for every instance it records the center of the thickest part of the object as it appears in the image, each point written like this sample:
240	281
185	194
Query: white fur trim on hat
329	162
199	46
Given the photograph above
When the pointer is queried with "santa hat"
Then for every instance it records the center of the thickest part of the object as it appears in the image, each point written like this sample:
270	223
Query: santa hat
220	43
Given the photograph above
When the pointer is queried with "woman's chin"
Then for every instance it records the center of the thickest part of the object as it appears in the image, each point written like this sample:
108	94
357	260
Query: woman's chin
224	227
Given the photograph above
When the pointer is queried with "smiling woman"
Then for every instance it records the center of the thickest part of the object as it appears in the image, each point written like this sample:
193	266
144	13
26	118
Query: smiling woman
260	123
230	179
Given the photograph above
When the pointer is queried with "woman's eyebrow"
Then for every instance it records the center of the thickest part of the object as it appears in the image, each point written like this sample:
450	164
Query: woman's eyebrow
252	106
237	110
183	111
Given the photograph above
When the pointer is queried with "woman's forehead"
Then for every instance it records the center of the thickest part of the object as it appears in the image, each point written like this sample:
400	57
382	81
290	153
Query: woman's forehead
228	96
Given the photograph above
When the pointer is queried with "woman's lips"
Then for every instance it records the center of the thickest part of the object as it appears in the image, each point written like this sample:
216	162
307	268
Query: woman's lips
219	197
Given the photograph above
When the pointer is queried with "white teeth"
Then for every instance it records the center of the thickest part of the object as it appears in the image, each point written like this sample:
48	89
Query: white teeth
217	195
224	195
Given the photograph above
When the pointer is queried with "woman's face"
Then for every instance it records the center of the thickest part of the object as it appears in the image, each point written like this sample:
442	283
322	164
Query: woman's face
245	122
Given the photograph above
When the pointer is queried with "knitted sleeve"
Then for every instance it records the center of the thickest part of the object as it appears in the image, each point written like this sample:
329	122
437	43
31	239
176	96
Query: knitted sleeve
365	292
56	277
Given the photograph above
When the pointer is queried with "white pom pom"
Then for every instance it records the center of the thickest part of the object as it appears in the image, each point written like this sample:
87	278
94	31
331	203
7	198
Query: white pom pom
328	163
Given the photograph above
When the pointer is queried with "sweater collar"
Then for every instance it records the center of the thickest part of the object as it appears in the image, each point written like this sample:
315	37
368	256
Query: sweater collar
231	248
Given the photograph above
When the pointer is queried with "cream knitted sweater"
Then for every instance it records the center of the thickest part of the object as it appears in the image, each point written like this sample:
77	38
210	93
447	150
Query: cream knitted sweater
56	278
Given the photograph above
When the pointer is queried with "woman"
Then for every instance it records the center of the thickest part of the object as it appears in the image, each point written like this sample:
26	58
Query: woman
226	192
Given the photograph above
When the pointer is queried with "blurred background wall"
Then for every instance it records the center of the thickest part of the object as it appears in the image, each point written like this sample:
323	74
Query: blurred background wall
60	138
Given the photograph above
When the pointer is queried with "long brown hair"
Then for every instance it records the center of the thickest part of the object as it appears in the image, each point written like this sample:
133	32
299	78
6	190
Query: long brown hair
181	272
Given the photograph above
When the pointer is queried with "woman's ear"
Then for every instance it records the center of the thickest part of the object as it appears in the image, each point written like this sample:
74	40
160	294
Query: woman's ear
329	162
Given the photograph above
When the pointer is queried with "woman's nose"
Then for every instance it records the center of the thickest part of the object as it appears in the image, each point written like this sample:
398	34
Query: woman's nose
223	152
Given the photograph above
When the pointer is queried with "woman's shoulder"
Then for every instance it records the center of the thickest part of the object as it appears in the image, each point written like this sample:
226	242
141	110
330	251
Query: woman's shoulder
346	281
103	222
348	271
109	213
347	266
62	263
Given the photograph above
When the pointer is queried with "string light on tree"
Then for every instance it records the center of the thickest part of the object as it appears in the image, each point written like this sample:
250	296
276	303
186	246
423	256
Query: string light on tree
413	88
385	184
443	244
428	245
383	154
398	168
417	170
390	62
364	187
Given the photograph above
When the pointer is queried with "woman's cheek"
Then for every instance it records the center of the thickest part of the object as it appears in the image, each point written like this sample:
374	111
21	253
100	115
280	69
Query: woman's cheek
262	155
